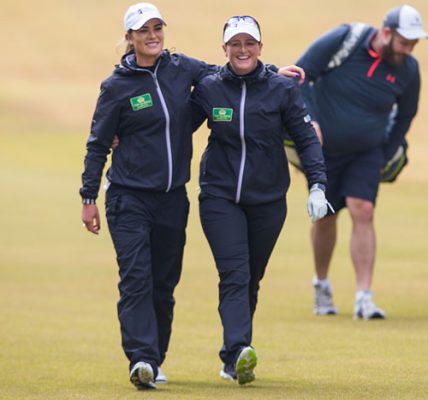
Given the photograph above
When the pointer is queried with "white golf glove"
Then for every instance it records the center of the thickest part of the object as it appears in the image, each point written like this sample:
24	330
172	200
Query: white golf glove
317	203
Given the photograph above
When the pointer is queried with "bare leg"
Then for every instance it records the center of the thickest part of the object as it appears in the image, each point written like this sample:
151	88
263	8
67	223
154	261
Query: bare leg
323	235
323	240
363	240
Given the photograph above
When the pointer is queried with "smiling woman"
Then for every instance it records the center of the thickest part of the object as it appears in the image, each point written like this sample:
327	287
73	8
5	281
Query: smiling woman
146	103
146	201
243	44
244	179
147	42
243	52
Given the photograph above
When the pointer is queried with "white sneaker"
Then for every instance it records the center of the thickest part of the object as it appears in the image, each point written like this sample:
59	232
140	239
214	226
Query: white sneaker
141	376
323	299
228	372
245	364
365	308
161	378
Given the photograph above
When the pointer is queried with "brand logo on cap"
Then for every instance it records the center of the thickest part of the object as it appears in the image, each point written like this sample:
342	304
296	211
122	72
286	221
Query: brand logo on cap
417	21
138	14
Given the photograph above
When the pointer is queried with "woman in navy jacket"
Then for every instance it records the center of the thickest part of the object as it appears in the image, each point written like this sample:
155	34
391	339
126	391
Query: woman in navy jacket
146	101
244	178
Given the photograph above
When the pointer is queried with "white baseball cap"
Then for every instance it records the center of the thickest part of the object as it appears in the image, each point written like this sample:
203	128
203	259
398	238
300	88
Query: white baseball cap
241	24
138	14
407	21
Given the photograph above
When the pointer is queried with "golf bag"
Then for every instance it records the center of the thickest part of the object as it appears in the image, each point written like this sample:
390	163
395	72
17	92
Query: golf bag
357	32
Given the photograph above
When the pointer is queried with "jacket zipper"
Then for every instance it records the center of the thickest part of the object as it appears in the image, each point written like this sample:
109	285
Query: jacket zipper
243	145
167	130
167	125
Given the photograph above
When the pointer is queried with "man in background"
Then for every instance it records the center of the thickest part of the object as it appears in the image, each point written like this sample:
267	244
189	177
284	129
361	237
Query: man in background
350	95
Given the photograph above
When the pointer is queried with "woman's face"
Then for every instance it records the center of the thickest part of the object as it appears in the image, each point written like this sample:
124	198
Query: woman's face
243	52
147	42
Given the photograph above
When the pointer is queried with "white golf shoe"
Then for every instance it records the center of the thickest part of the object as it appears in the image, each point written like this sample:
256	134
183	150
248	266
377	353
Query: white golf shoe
245	364
323	299
364	307
228	372
161	378
141	376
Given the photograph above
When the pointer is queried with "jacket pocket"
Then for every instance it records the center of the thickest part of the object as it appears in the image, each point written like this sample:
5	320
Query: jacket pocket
113	206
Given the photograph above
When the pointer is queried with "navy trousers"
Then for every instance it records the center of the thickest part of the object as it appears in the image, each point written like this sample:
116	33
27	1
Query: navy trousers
241	239
148	233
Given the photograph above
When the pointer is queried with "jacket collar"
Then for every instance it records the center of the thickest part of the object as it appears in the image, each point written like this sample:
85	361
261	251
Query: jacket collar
259	74
128	63
368	42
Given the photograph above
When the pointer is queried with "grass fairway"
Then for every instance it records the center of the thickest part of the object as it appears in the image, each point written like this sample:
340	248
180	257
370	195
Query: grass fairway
59	332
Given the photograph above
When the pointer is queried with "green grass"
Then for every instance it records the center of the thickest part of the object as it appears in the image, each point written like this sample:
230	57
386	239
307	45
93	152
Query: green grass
60	335
59	332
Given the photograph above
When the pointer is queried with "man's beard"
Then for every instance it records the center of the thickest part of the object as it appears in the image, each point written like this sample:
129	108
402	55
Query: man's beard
390	56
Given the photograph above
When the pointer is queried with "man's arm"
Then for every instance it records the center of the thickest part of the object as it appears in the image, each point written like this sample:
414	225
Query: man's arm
315	60
407	106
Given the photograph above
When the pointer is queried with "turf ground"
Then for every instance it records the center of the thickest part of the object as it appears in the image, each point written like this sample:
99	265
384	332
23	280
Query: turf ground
59	332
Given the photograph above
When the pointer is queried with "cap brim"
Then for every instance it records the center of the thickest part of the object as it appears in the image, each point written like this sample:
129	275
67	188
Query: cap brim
413	34
140	22
251	30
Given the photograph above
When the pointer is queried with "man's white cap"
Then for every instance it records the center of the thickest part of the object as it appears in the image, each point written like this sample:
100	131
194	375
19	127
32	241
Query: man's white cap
138	14
236	25
406	21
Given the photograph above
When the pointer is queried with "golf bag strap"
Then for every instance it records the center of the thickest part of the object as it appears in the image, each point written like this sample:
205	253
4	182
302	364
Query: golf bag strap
357	32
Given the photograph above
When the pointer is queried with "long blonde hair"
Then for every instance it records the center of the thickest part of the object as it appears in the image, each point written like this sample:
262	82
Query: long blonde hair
124	43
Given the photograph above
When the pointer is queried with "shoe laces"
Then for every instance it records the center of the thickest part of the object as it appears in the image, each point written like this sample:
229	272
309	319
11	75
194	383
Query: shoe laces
368	305
323	296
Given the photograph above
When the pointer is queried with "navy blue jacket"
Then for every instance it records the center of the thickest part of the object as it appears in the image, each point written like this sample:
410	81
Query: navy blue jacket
151	113
245	159
352	102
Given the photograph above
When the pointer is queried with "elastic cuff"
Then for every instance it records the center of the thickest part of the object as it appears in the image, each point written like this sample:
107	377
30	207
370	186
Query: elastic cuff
88	201
318	186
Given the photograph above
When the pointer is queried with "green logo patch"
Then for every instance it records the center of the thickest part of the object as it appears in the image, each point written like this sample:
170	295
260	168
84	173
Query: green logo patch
222	114
140	102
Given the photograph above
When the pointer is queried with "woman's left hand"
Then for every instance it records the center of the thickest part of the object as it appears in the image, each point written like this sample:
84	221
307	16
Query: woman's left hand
293	71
